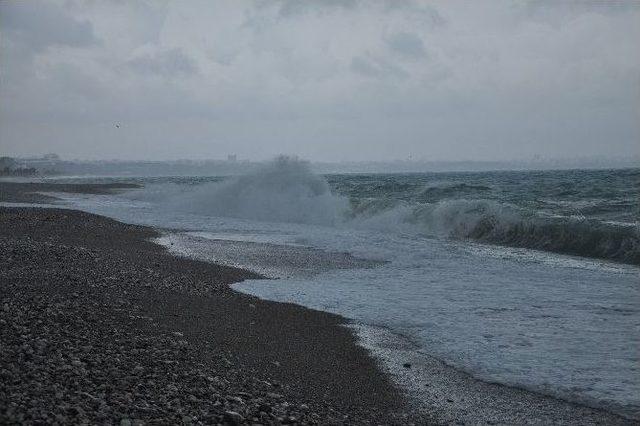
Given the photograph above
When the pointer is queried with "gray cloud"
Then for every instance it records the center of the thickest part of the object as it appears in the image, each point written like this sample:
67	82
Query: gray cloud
292	8
369	66
327	81
169	63
406	44
38	25
421	13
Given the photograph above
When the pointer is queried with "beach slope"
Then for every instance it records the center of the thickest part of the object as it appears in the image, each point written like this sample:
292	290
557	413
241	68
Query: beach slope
99	324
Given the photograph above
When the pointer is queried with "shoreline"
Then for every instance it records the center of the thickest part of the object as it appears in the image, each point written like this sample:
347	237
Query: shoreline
82	282
368	351
448	395
460	395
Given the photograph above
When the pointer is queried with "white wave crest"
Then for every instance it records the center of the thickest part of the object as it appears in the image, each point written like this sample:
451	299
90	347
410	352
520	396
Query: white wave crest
285	190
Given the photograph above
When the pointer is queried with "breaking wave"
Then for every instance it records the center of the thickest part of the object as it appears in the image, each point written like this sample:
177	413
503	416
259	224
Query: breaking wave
495	223
286	190
504	224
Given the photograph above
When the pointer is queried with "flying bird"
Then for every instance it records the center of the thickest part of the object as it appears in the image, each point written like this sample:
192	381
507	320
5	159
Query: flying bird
117	126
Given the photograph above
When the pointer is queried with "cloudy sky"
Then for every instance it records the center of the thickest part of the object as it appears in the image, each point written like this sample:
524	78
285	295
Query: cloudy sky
326	80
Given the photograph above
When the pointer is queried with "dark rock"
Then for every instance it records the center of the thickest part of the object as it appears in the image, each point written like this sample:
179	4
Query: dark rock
265	408
233	417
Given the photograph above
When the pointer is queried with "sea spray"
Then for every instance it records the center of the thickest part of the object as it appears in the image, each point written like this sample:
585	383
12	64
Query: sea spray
284	190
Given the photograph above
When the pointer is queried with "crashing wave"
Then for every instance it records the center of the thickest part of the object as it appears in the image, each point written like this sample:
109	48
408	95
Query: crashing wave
506	225
503	224
284	190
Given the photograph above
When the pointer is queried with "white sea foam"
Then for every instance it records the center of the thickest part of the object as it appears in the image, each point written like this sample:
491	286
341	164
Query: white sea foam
282	191
286	191
560	325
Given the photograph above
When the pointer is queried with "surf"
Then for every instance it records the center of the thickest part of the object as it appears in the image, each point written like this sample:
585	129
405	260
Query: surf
287	190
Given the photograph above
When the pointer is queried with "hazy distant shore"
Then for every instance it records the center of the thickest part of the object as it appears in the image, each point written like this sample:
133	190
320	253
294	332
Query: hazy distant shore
98	323
32	192
56	167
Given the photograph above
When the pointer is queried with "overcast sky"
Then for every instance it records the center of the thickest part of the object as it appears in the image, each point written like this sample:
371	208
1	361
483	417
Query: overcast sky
326	80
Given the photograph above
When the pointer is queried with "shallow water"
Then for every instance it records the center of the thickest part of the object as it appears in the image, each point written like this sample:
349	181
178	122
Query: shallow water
444	259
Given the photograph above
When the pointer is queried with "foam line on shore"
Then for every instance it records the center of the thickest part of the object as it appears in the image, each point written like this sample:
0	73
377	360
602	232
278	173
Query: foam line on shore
450	396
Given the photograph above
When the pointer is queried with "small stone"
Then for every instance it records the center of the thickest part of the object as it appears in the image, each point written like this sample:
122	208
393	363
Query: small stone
233	417
407	365
235	399
265	408
273	395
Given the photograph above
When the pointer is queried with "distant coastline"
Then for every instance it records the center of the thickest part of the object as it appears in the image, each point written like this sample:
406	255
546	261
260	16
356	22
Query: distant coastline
51	165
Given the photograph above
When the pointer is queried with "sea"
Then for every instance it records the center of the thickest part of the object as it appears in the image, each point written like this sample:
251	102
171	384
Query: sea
525	278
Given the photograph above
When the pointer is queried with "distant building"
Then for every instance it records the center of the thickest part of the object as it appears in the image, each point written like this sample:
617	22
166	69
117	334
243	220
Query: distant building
47	164
51	157
232	157
10	167
7	162
46	161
